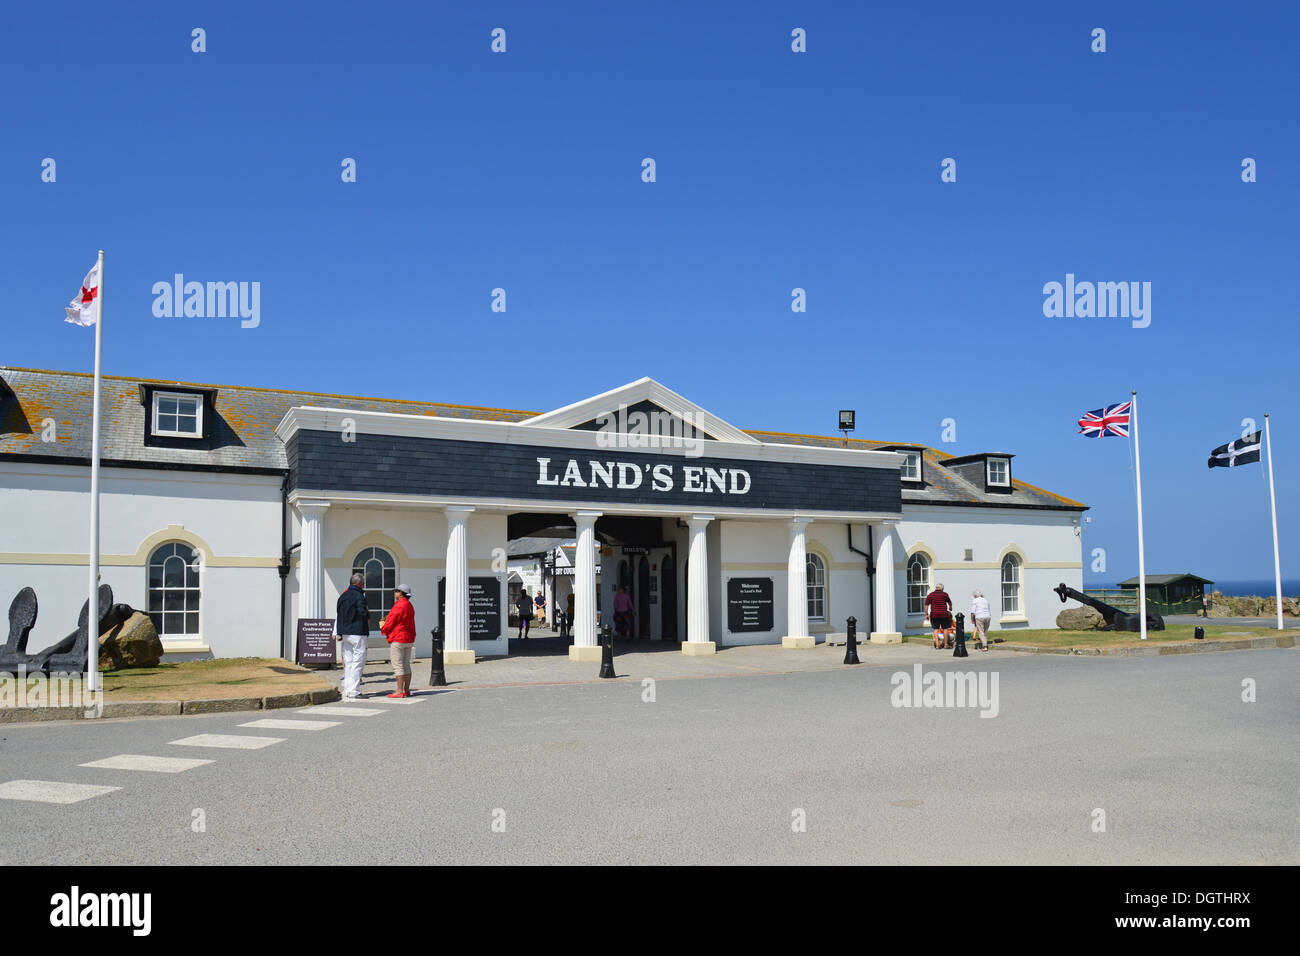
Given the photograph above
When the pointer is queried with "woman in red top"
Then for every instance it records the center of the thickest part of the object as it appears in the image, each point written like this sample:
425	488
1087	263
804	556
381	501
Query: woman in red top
399	628
938	608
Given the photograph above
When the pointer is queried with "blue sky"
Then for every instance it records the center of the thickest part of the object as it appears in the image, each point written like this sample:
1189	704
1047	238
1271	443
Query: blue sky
775	170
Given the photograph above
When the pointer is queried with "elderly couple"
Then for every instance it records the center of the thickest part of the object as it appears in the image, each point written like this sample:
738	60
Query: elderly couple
938	608
352	625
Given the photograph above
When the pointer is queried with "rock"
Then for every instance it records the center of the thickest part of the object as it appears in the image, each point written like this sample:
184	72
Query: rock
133	643
1080	619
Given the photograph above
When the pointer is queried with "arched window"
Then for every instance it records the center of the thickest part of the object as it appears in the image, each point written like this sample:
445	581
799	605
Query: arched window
380	572
1011	584
918	582
816	587
174	591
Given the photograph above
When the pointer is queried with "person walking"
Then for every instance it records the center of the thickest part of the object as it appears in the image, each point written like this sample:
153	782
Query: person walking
622	612
524	605
566	621
1205	605
981	615
539	608
352	628
399	628
938	608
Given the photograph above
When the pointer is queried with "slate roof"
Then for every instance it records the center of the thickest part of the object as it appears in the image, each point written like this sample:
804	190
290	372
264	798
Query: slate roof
942	485
1163	579
247	418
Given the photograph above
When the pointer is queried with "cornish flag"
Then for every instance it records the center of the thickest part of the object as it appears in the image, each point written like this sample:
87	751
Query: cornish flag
84	309
1243	451
1111	420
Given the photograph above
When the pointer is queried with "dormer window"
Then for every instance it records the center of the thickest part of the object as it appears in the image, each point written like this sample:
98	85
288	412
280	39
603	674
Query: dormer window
912	469
999	473
176	415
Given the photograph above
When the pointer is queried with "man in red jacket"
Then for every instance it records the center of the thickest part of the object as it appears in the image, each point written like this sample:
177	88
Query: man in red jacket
399	629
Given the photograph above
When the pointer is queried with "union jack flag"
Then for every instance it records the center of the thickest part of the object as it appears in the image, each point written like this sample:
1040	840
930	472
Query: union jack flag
1111	420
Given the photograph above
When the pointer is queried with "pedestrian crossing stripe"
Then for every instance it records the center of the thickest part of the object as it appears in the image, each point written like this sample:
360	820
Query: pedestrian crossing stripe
344	709
227	741
147	763
278	723
51	791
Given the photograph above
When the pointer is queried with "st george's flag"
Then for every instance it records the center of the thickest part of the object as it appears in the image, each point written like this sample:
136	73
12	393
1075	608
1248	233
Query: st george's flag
83	310
1111	420
1243	451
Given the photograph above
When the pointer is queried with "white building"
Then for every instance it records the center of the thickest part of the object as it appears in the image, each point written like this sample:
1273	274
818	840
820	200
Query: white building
231	512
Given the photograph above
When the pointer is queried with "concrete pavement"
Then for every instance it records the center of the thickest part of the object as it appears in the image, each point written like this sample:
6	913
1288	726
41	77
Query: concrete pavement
713	770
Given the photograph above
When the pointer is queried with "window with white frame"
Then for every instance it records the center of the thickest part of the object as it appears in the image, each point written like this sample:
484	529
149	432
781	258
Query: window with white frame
999	472
816	571
380	571
918	582
1011	584
911	469
177	415
174	591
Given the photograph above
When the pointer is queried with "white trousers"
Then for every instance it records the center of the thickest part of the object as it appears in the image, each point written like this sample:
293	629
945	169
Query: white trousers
354	662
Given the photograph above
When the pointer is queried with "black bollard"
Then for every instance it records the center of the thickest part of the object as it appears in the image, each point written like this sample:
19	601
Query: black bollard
437	672
961	637
607	655
851	643
1199	634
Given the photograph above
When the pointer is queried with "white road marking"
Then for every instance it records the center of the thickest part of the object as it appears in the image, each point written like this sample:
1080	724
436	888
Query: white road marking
49	791
278	723
151	764
228	741
344	709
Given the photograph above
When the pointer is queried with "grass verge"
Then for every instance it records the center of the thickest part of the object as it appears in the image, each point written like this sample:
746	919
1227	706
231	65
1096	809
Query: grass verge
204	680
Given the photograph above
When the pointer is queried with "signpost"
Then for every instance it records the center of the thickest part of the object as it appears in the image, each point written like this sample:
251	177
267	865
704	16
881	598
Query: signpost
316	644
484	608
749	604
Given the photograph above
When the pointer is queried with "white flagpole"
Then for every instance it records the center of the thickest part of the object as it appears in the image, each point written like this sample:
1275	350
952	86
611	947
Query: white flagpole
92	622
1142	558
1272	497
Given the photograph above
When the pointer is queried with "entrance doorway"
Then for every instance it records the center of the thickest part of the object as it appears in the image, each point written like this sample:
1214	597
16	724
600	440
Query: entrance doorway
647	575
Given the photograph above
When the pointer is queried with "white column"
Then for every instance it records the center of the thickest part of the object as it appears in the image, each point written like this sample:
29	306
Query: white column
456	649
585	647
796	590
311	561
887	631
697	641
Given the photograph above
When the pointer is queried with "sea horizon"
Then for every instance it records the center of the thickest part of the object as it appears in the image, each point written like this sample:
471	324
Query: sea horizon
1244	587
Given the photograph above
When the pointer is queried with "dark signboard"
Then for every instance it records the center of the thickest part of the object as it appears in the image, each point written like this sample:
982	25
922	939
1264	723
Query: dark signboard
484	608
749	604
406	464
316	644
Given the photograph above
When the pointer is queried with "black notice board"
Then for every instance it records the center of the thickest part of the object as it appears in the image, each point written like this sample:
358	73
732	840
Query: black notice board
484	608
316	640
749	604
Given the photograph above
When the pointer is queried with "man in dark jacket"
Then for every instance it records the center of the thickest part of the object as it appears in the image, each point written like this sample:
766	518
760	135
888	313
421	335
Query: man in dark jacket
352	623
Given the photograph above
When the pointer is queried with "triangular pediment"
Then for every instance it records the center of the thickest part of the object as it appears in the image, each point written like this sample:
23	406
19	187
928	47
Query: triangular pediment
637	405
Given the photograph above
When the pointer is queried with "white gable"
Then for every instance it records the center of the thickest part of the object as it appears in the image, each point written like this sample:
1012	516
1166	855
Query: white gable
642	390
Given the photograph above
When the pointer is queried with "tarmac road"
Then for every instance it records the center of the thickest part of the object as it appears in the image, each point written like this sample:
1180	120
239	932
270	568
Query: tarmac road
715	770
